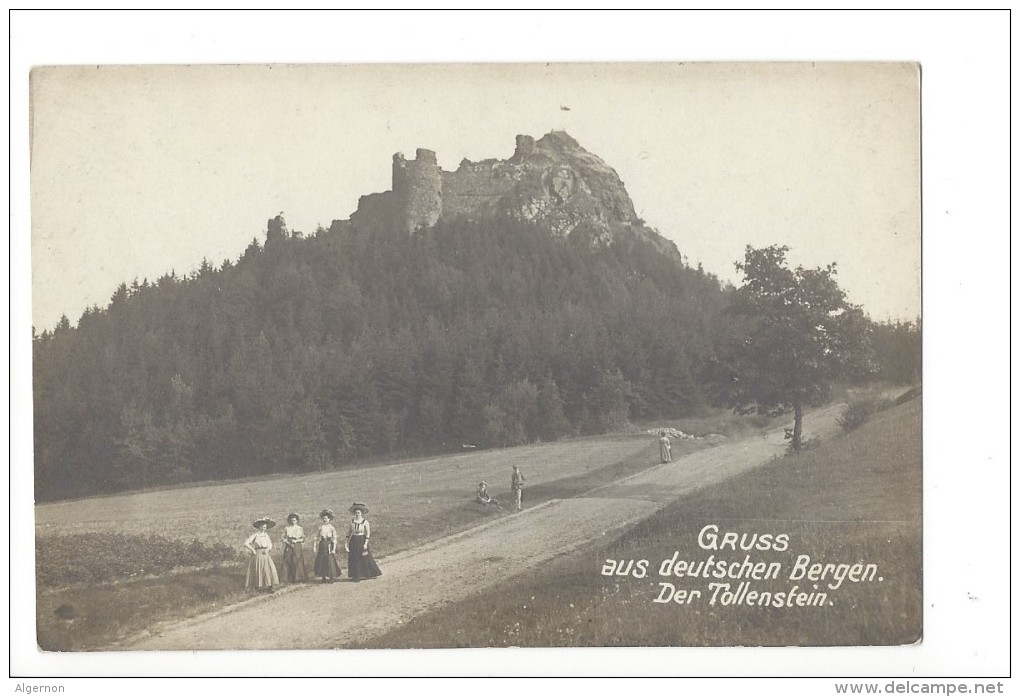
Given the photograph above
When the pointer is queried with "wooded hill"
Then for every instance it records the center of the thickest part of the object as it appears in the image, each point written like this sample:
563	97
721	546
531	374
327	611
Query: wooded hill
308	353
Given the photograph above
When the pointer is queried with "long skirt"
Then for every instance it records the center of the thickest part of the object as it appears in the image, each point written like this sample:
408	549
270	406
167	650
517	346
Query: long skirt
326	564
665	453
360	563
261	571
294	562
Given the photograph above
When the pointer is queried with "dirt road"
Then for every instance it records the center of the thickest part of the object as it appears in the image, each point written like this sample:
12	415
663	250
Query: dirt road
331	616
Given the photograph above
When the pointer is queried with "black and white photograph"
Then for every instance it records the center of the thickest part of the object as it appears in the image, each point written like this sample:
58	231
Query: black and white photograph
477	355
527	414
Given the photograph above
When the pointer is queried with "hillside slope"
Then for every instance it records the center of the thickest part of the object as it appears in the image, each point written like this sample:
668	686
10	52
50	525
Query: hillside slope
310	352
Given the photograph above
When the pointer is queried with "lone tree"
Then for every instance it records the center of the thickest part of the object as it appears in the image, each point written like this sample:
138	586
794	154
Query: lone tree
800	337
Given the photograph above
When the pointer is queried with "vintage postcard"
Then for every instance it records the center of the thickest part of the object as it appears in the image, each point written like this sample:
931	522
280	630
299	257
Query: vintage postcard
476	355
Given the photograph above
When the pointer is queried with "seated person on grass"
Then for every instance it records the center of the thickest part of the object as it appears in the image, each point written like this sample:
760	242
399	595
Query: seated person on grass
482	495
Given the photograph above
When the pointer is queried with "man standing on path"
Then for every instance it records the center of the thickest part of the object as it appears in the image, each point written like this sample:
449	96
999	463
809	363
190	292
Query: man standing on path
517	486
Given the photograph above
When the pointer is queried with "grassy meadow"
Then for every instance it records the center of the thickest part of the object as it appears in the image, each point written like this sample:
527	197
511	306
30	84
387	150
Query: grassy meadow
98	580
853	498
410	501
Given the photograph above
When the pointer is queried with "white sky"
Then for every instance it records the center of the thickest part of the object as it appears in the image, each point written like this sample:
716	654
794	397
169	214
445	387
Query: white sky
140	170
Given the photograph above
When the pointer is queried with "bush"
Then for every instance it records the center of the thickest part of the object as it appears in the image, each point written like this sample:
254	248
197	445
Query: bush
96	558
805	443
860	410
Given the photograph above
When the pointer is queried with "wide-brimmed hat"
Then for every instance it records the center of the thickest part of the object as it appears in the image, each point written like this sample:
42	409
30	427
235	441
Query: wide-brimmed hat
483	483
293	516
327	513
267	520
359	507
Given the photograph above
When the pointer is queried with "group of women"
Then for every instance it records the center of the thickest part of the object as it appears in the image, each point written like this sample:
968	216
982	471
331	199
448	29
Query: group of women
263	576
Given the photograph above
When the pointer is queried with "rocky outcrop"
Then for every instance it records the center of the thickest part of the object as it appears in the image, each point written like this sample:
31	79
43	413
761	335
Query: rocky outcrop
552	182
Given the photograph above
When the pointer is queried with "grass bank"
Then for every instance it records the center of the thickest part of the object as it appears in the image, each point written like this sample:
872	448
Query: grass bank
854	500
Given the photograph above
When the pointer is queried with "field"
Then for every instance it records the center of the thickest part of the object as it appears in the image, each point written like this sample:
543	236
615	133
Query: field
490	556
411	503
855	498
491	578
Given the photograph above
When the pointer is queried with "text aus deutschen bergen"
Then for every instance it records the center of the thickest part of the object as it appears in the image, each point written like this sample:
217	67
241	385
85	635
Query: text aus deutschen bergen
721	578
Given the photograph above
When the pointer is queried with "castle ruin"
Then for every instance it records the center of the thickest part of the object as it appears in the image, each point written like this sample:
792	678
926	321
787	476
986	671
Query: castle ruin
417	190
552	180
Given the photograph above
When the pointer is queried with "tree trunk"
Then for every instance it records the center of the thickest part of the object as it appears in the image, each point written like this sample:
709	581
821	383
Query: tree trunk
798	418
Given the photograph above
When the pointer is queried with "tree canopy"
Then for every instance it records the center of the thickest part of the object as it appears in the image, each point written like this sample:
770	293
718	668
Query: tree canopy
799	336
313	351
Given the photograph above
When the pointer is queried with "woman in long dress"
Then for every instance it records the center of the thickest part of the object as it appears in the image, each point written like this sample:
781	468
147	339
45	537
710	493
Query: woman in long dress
326	565
665	451
261	574
360	564
293	552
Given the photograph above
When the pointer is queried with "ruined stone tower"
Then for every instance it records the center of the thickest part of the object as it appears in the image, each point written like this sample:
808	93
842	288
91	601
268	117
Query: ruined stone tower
552	182
418	190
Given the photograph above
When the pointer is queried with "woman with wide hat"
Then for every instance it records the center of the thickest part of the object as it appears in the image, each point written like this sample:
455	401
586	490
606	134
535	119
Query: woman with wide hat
293	552
326	565
360	564
261	569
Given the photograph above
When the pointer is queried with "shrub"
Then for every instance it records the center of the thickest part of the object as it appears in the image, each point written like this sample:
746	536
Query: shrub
860	410
805	444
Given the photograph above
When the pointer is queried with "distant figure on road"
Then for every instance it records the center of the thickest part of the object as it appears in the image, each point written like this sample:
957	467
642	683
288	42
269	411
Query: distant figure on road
293	552
262	574
665	451
483	496
326	565
517	486
360	564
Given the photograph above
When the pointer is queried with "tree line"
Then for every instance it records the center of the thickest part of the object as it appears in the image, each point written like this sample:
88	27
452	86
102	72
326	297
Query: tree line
308	352
312	352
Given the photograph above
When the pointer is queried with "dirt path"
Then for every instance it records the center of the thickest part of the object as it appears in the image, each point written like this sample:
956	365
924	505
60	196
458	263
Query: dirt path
453	567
